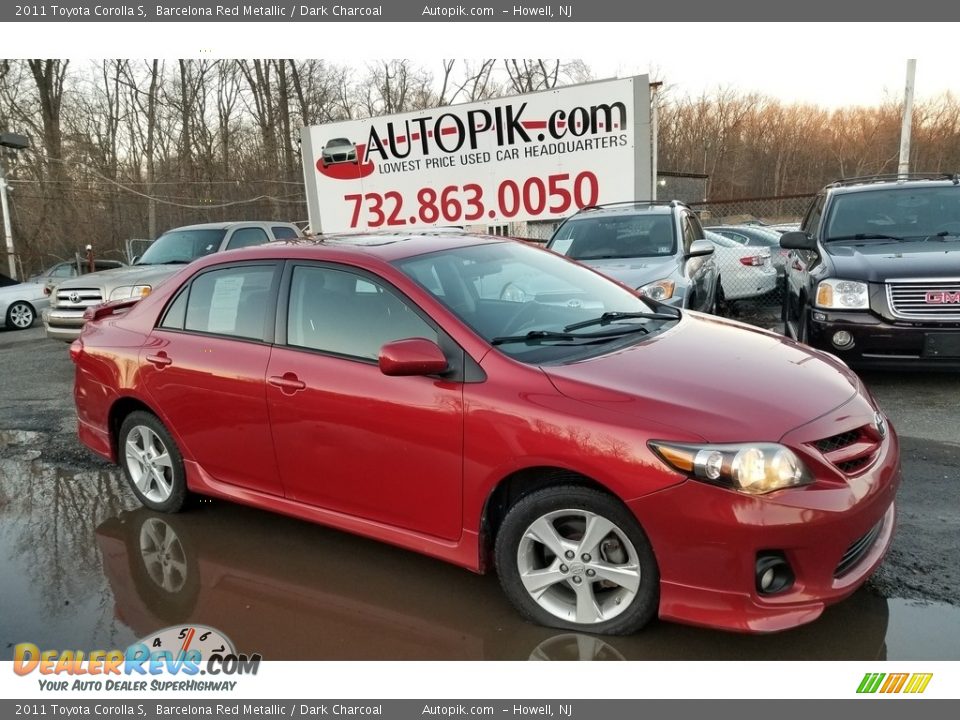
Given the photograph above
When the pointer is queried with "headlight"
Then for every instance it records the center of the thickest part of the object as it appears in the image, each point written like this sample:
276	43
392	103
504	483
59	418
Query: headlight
659	290
511	293
754	468
130	291
843	295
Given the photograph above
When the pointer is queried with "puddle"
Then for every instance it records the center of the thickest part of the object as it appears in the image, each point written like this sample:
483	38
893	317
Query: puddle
87	571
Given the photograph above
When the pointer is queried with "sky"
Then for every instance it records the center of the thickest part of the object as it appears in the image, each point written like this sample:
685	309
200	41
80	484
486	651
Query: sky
830	64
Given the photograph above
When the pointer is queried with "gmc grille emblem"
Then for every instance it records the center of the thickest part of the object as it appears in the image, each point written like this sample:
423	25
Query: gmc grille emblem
943	297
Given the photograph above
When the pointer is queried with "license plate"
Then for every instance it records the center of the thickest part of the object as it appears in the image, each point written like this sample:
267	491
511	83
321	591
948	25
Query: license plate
942	345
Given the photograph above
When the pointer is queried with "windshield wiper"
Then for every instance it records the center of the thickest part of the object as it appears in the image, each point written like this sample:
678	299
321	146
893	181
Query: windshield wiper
943	235
539	336
609	317
865	236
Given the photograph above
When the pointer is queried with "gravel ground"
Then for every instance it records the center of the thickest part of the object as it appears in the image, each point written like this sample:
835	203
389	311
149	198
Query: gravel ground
37	421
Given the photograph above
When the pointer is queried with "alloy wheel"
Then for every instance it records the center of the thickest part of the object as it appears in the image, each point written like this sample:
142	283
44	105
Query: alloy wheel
149	464
578	566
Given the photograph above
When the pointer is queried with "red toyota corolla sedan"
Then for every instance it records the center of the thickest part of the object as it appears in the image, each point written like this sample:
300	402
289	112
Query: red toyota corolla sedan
487	402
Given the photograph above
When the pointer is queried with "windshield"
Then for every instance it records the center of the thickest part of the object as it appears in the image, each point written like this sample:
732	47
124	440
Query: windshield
898	213
624	236
532	304
182	246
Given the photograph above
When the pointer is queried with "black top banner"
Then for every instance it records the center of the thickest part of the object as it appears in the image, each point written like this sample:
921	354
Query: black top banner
492	11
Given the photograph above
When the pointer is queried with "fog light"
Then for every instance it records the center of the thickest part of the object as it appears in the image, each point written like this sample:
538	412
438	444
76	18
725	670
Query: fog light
842	339
766	580
773	572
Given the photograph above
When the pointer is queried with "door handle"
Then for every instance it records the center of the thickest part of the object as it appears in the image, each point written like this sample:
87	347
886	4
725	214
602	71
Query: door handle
160	360
289	382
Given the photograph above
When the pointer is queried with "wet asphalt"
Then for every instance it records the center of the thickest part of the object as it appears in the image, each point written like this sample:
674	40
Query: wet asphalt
78	572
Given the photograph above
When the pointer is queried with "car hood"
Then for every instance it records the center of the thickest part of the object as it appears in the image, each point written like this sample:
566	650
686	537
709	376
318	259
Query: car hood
634	272
118	277
724	381
877	262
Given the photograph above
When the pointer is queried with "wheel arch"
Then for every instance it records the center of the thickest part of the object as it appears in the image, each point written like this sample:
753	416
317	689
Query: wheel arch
119	410
519	484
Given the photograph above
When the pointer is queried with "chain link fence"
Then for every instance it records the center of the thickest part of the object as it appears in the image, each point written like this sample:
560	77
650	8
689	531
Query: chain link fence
747	232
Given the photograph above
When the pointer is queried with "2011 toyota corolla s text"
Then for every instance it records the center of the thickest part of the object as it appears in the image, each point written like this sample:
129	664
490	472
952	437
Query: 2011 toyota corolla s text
612	457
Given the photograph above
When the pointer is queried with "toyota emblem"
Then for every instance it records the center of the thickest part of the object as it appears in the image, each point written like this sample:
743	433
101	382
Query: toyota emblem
881	424
74	297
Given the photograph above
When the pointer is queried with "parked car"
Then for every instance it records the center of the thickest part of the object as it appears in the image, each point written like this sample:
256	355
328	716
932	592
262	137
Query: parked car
656	247
874	272
612	465
759	237
745	271
65	318
784	227
20	303
62	271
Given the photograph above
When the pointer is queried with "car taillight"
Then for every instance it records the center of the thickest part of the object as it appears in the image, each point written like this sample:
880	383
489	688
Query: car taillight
753	260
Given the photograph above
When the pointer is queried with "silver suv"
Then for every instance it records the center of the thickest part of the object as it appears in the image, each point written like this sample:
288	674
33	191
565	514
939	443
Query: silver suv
175	248
657	248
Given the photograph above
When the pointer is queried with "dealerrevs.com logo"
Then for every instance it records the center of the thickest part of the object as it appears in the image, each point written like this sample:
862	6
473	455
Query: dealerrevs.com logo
149	664
890	683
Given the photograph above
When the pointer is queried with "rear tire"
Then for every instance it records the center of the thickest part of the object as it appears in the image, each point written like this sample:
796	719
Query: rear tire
574	558
152	463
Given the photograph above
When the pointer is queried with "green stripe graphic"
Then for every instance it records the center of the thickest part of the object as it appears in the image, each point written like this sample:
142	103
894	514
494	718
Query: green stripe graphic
871	682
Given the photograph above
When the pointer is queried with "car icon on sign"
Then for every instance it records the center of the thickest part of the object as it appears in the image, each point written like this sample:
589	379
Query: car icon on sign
338	150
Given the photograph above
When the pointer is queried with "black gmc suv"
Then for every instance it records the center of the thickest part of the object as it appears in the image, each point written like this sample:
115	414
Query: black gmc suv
873	274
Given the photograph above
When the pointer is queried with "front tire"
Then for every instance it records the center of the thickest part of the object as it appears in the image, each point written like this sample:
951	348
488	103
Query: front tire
20	315
152	463
574	558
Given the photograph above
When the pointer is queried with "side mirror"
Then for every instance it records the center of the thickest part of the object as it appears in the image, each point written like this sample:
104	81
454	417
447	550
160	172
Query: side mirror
700	248
415	356
797	240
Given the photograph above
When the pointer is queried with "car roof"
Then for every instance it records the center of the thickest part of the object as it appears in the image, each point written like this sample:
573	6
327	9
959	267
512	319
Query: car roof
869	185
629	210
226	225
386	246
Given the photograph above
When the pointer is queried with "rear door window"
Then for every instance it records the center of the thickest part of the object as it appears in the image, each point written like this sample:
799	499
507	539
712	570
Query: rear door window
232	301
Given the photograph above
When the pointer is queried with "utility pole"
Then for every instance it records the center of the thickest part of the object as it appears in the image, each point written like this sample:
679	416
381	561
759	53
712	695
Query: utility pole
15	142
907	122
654	137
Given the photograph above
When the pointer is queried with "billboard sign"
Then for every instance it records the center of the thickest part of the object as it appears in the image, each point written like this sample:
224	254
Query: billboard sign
539	156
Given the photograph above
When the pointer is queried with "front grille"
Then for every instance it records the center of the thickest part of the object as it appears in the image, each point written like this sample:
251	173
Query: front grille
857	550
851	467
926	300
835	442
78	298
851	451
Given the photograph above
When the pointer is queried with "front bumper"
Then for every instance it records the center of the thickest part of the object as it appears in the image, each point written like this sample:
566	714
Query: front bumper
63	324
879	343
707	539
